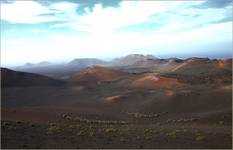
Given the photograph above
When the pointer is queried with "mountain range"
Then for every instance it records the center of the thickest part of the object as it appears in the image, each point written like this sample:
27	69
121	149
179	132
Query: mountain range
134	63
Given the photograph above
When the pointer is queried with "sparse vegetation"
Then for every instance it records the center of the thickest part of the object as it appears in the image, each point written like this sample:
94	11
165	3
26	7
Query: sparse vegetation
148	137
5	123
91	121
81	133
53	129
172	135
221	122
200	138
140	115
110	130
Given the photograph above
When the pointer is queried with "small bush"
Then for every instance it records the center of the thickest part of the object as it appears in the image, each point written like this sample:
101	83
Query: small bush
53	129
5	123
221	122
18	122
109	130
32	124
184	130
8	123
171	135
148	137
91	134
146	130
200	138
137	138
123	140
81	133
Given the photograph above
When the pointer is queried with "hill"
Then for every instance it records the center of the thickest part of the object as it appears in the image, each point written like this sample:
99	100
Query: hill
10	78
154	81
85	62
202	66
98	73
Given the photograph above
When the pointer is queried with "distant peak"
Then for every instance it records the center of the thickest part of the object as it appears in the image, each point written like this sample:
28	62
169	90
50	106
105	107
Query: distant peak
28	64
44	63
85	59
174	60
140	56
198	59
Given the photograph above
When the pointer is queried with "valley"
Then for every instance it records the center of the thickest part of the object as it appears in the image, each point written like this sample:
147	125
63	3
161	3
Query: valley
144	103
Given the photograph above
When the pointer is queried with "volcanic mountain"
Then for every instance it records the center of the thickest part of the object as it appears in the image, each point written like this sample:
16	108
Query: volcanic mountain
203	66
133	59
61	70
98	73
85	62
135	63
11	78
188	101
31	65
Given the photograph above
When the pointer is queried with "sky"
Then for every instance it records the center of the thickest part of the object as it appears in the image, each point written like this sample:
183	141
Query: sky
59	31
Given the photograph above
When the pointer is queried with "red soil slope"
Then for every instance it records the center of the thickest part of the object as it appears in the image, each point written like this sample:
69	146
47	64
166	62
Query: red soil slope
203	66
97	73
153	80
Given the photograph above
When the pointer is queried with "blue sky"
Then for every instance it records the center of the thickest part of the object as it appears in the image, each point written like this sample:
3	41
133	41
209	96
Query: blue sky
34	31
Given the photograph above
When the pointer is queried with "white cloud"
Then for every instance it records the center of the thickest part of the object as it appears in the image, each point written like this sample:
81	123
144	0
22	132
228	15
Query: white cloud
23	12
100	20
105	40
64	6
106	20
32	12
59	47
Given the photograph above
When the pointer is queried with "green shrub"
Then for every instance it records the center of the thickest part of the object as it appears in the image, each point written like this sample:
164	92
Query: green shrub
148	137
81	133
53	129
5	123
172	135
200	138
109	130
8	123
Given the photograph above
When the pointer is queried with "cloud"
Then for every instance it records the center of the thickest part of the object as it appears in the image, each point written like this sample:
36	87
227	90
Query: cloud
153	27
128	12
6	1
86	3
105	20
59	47
226	19
214	4
98	20
19	12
